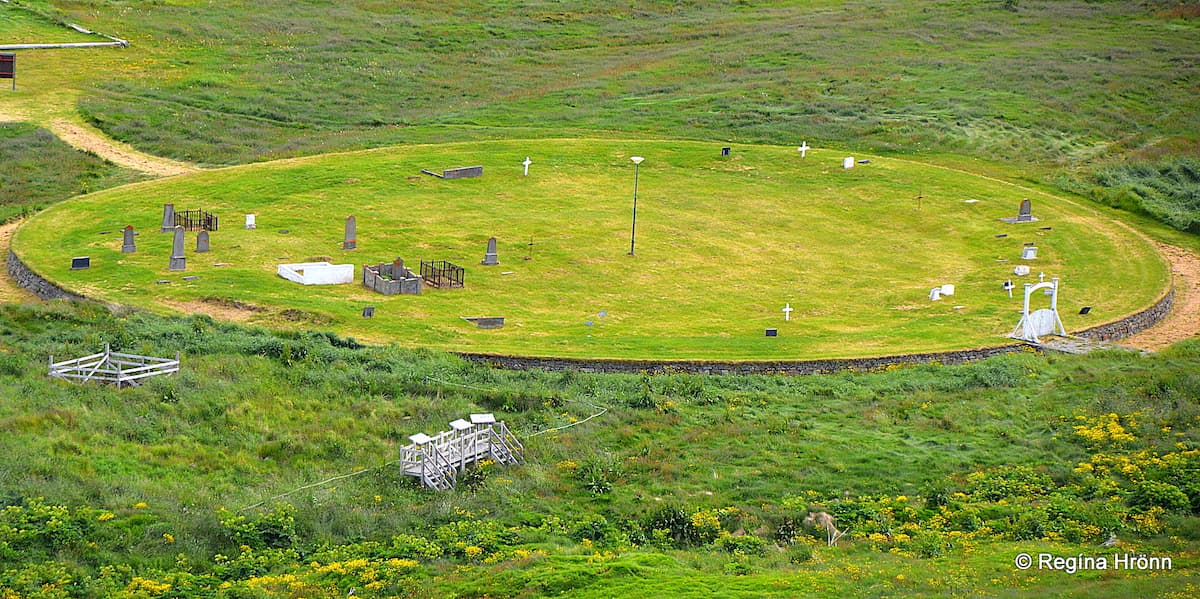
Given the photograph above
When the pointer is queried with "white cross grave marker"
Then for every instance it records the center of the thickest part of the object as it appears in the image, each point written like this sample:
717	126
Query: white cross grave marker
787	311
527	163
803	148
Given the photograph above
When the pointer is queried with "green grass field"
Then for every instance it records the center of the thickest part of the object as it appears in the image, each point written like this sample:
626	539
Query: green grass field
722	245
267	467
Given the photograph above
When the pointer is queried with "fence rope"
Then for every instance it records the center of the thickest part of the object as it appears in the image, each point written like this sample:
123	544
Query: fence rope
602	410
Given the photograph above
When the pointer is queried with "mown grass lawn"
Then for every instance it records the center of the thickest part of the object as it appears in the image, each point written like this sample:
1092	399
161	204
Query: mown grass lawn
722	244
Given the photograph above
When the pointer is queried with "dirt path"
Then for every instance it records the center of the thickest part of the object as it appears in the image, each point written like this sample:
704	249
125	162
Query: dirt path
89	139
1183	321
9	292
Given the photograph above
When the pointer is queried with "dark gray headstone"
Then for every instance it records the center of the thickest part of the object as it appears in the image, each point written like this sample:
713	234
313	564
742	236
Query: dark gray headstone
369	312
490	258
191	278
772	332
351	241
128	245
178	262
465	172
726	151
489	322
202	242
1025	214
168	222
81	263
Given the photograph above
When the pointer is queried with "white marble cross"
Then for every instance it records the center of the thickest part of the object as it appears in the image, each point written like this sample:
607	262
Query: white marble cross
787	311
527	163
803	148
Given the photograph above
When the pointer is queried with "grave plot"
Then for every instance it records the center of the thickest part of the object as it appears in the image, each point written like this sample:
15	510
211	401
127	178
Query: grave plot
442	274
317	273
391	278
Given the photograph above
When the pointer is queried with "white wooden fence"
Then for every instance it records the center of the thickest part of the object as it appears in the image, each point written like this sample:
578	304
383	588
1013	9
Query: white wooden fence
113	367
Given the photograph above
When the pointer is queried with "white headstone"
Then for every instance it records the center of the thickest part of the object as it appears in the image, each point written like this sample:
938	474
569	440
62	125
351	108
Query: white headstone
1028	253
1021	270
250	221
935	294
527	163
803	148
947	289
848	162
787	311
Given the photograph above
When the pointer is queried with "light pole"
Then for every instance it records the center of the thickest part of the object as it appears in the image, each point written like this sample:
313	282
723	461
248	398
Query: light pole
637	163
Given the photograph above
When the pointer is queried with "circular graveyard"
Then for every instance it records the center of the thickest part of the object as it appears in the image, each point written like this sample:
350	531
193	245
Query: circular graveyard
754	253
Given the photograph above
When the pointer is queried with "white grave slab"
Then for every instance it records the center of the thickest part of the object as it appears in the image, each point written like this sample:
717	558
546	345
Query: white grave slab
848	162
947	289
935	294
1021	270
250	221
317	273
1028	253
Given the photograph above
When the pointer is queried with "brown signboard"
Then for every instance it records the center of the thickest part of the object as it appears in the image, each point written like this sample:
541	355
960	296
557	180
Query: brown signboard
8	65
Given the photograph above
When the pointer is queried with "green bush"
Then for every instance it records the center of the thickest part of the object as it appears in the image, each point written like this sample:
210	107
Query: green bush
1151	493
742	544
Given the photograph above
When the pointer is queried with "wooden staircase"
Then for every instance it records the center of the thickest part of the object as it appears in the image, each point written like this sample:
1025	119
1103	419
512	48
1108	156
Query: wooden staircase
437	461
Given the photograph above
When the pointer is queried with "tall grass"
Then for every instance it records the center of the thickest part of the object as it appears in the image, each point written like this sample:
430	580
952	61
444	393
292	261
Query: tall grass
28	182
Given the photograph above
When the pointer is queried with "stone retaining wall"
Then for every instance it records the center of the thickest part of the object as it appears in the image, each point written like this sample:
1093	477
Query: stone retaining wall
27	279
1118	329
1132	324
767	367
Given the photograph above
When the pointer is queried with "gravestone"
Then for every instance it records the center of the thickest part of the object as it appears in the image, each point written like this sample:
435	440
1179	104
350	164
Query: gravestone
772	332
250	223
787	312
527	163
1008	286
848	162
726	151
192	278
369	312
490	258
81	263
1084	310
351	241
1021	270
178	261
465	172
1025	213
947	289
1029	253
127	244
935	294
168	222
803	149
487	322
202	242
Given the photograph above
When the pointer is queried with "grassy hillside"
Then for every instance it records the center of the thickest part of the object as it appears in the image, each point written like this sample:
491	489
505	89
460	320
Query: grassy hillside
267	469
1052	81
27	182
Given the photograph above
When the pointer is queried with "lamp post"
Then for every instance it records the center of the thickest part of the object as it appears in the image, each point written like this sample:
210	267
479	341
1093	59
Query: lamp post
637	163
